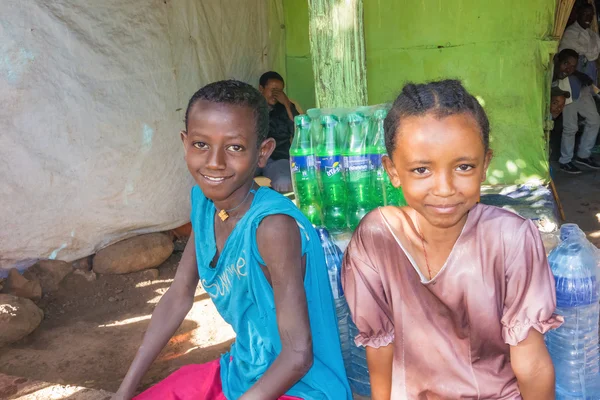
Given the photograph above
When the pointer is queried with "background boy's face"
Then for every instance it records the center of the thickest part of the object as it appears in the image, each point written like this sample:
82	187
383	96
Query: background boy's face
557	105
567	67
220	148
585	17
440	164
271	89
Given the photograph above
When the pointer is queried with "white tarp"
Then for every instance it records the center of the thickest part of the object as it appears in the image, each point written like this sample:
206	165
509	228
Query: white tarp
92	99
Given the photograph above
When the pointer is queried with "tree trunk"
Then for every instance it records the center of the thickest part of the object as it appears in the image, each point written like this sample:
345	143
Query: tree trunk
338	52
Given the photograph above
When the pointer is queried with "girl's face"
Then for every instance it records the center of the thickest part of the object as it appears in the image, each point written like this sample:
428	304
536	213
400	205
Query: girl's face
440	164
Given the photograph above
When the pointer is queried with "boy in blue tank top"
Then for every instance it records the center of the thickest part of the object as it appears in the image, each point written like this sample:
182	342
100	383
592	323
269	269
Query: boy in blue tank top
258	258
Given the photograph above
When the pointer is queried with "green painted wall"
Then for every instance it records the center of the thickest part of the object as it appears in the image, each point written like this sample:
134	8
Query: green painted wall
496	47
300	80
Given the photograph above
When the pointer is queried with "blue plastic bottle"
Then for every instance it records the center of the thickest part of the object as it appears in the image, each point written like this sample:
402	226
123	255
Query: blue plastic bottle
355	358
574	345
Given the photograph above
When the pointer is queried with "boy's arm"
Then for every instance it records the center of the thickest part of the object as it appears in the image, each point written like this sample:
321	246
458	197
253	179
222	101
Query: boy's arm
279	243
379	361
533	367
166	318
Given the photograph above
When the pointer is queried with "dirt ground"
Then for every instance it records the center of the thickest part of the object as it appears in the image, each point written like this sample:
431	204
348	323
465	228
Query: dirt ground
580	198
91	330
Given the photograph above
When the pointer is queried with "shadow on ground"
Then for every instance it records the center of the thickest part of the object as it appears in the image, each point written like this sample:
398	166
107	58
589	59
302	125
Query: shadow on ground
92	330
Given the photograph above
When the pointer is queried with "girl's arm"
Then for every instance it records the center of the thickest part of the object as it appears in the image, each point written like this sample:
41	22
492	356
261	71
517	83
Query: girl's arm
533	367
379	362
279	244
166	318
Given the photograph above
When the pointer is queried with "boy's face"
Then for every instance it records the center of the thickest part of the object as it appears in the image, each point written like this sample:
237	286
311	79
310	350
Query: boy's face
567	67
440	164
557	105
585	17
221	150
271	89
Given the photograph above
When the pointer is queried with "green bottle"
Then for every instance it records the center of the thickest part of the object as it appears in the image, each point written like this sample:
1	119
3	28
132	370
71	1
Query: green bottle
383	191
357	167
304	171
329	162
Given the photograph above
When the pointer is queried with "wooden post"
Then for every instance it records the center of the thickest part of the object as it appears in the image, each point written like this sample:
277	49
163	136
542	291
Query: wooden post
337	48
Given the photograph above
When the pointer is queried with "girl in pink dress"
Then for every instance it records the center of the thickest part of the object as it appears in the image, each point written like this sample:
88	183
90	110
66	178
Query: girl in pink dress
451	298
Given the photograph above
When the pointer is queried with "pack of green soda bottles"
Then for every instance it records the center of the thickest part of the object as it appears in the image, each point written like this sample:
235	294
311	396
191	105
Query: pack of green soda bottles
337	169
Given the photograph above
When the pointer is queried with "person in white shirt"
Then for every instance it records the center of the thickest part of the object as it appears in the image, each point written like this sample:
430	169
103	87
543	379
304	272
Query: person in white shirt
581	102
581	38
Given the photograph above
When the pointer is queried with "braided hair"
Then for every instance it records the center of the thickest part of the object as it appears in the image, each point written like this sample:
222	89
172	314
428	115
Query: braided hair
443	98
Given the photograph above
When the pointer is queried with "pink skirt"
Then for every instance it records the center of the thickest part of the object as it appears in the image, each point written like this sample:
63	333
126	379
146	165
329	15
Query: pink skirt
192	382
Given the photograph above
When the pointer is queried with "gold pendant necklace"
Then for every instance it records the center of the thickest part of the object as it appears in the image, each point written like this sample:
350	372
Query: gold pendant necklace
224	214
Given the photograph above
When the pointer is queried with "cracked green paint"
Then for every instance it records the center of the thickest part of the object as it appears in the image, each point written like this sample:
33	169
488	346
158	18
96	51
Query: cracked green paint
338	52
500	50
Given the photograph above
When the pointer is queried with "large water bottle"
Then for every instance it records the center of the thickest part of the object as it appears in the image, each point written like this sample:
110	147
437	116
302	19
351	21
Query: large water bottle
333	260
383	191
304	171
357	166
574	345
329	162
355	359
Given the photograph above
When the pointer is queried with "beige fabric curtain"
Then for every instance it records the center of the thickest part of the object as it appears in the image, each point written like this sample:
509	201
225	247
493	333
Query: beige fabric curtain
93	96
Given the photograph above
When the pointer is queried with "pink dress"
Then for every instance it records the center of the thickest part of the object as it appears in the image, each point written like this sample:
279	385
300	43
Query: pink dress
452	334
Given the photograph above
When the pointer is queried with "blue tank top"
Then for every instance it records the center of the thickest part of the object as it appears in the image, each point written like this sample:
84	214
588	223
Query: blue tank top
244	298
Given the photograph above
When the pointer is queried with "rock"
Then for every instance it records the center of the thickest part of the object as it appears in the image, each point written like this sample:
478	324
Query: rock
184	231
18	285
150	274
135	254
112	299
89	276
84	263
49	273
18	318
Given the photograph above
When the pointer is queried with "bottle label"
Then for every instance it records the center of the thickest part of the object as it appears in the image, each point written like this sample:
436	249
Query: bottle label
301	163
331	165
377	165
360	163
357	167
375	160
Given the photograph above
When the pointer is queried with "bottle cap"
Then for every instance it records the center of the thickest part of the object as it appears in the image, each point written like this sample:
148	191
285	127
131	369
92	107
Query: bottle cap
302	121
323	234
329	119
380	114
355	118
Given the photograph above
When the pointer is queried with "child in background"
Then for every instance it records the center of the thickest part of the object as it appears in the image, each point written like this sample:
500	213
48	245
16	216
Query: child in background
258	258
451	297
